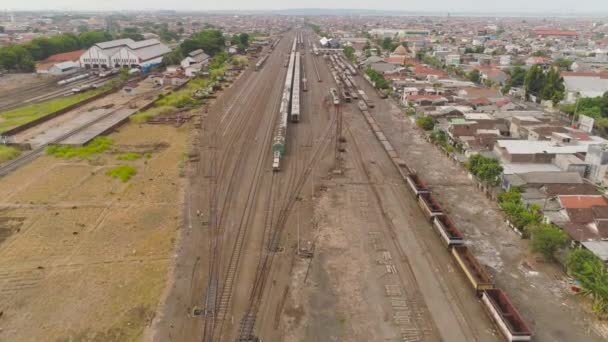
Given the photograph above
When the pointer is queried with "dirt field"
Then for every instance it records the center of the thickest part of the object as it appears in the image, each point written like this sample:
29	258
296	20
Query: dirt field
84	256
12	83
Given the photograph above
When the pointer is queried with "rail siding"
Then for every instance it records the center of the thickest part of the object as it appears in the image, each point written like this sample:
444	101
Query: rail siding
55	114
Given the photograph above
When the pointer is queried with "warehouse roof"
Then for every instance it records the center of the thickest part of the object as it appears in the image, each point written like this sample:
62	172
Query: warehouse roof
115	43
153	51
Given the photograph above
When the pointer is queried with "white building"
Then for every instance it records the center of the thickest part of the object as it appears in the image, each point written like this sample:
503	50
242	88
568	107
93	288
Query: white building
124	52
584	84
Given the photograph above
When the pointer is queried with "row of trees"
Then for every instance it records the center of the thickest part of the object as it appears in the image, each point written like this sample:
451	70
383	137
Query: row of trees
377	78
22	57
521	216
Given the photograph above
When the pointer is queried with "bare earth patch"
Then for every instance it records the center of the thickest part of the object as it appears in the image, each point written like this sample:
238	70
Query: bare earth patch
83	256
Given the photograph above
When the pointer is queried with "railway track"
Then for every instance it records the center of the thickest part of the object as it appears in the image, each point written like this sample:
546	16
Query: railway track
246	331
33	95
218	303
424	325
25	158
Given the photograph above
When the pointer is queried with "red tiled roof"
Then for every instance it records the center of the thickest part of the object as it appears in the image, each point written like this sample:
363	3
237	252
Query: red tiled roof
422	70
550	32
570	189
64	57
581	136
395	60
582	201
425	97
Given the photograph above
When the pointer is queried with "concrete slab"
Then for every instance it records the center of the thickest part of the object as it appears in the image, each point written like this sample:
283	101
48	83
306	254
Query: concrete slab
54	133
98	128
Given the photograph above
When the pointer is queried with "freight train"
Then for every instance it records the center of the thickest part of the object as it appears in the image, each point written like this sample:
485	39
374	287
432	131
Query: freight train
500	309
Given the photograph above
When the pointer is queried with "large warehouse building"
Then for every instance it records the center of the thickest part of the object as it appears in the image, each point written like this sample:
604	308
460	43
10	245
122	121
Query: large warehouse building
124	52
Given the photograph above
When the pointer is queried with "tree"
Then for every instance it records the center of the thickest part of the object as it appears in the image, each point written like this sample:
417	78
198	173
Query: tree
562	63
90	38
488	170
520	215
547	239
349	52
534	81
474	76
425	122
244	39
539	53
518	76
387	44
210	40
378	79
591	272
553	86
174	57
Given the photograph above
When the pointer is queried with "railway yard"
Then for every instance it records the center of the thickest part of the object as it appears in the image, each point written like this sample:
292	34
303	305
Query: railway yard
301	206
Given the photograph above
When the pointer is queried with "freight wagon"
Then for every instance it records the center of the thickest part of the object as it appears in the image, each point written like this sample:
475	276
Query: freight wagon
362	105
450	235
335	96
346	96
260	63
429	205
369	102
417	184
475	272
505	315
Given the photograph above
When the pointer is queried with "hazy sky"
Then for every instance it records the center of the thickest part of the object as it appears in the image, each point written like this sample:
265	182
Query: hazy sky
553	6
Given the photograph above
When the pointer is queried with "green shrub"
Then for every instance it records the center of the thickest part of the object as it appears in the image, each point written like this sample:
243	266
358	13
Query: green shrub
8	153
144	116
547	239
123	172
425	122
128	156
592	274
98	145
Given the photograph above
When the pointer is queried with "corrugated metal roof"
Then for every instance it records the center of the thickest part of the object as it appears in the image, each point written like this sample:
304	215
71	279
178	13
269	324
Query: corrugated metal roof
115	43
151	52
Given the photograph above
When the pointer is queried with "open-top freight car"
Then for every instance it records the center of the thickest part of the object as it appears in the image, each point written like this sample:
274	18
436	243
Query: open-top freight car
368	102
473	270
335	97
260	63
346	96
416	184
429	205
507	318
450	234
